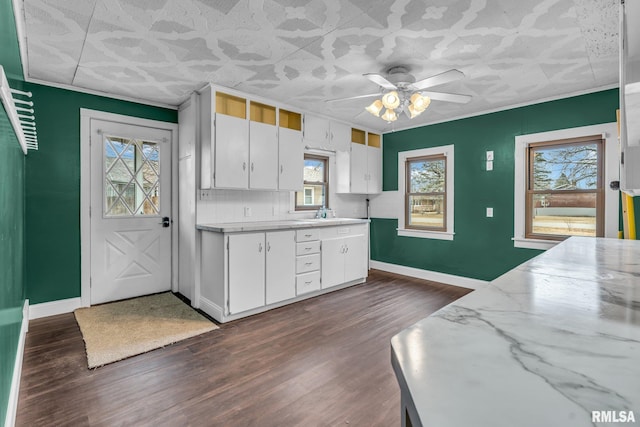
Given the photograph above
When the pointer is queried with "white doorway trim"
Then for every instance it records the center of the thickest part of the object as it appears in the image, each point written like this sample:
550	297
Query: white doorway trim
85	192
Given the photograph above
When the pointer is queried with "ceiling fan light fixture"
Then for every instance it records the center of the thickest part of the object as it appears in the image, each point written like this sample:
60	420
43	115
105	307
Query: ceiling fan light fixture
375	108
391	100
389	115
413	111
420	102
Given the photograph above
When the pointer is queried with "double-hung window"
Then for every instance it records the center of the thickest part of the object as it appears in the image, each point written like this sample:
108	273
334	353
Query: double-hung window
315	193
565	195
562	185
425	181
426	193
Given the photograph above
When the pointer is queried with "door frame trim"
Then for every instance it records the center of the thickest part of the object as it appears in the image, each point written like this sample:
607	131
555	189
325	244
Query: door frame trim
86	115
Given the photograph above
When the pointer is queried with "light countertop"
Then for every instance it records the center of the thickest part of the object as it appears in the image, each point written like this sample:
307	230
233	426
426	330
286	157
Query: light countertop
235	227
543	345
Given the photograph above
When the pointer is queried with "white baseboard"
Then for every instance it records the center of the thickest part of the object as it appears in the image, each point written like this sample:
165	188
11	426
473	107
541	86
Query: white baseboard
53	308
210	308
12	405
449	279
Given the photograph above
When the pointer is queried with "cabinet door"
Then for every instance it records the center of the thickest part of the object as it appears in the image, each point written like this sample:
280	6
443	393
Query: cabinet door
340	136
246	271
263	156
280	266
358	168
231	152
316	130
374	170
355	257
291	155
332	262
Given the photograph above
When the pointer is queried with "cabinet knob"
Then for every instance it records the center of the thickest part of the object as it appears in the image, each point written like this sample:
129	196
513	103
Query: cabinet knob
259	247
268	246
281	168
251	166
244	166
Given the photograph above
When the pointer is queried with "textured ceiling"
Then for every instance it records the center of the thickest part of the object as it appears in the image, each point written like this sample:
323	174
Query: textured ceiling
303	52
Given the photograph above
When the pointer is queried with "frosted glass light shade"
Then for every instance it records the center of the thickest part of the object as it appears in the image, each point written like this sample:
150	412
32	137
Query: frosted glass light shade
420	102
375	108
389	115
413	111
391	100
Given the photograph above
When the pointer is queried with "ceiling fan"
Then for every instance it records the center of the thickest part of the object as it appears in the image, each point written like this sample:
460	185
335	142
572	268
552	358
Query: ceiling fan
400	92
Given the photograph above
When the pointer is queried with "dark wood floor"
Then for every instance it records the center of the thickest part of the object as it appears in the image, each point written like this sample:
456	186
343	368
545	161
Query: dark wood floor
320	362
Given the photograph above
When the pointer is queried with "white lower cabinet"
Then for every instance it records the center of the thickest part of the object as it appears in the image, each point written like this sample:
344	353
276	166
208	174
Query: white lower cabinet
280	266
244	273
344	255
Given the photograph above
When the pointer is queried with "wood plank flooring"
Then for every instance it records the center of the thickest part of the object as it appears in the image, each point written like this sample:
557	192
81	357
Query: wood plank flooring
320	362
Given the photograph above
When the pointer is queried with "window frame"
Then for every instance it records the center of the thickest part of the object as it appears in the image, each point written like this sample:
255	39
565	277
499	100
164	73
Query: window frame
324	183
427	233
610	172
408	194
530	192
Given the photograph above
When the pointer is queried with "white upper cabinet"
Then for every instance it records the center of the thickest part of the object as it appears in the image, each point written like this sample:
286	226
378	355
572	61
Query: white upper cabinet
326	134
263	147
290	151
360	169
246	144
231	152
316	131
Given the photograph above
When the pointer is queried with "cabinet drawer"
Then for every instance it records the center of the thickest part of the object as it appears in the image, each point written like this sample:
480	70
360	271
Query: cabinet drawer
307	235
343	231
308	282
307	248
307	263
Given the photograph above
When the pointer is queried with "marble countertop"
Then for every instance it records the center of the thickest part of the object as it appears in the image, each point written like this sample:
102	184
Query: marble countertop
543	345
235	227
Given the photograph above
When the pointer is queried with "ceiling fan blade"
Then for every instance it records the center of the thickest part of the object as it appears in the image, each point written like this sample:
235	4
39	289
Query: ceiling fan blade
352	97
380	81
448	97
438	79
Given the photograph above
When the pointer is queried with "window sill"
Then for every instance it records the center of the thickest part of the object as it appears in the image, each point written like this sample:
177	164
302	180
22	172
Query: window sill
520	242
424	234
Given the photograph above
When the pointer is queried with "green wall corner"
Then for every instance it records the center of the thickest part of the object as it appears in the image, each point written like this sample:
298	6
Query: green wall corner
482	247
53	187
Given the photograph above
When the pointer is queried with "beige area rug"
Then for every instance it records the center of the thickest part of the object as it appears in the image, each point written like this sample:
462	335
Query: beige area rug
118	330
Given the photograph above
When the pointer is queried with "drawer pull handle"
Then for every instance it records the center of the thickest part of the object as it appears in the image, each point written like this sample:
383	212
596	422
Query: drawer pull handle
307	235
308	263
307	249
307	283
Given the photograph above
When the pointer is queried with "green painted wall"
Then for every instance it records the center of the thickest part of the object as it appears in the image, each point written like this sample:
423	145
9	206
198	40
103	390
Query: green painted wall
10	50
12	243
482	247
53	187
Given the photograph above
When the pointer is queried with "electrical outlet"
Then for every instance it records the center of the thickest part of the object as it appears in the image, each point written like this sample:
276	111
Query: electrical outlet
247	211
489	155
489	165
489	212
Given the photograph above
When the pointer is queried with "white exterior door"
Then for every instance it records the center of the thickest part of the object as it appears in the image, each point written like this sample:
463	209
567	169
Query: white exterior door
246	271
130	196
281	266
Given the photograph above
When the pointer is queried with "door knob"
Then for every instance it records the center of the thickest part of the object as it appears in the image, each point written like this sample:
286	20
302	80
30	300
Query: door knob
166	221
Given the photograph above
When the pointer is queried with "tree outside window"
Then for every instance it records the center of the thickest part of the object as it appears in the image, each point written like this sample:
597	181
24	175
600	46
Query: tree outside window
425	193
565	194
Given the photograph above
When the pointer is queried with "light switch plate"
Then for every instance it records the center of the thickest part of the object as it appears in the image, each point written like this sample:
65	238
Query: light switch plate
489	165
489	212
489	155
